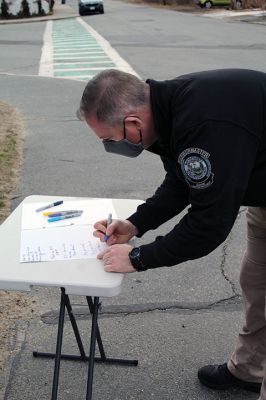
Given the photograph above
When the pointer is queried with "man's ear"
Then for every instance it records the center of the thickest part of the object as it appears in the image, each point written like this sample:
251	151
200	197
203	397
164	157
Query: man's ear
133	121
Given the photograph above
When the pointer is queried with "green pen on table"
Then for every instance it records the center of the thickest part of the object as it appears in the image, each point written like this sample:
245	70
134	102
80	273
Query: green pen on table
109	221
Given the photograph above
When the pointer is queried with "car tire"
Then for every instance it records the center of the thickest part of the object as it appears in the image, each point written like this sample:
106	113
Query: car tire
208	4
102	11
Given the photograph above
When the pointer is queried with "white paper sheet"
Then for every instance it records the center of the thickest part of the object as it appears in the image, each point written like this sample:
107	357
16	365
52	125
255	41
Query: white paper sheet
73	243
68	239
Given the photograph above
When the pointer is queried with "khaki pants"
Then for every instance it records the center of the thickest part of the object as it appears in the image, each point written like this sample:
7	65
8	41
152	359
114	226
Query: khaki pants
248	362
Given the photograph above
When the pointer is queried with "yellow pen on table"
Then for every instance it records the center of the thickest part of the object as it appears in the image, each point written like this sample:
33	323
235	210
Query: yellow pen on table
60	213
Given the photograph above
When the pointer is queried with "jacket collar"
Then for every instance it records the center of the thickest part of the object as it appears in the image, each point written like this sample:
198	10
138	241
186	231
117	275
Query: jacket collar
161	96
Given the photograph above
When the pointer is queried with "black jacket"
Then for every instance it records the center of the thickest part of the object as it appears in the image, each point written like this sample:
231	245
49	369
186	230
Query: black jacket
211	129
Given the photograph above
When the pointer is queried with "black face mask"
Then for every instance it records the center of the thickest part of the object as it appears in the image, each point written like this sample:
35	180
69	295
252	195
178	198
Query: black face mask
124	147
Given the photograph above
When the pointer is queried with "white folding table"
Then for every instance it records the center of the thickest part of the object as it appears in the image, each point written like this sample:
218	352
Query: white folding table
75	277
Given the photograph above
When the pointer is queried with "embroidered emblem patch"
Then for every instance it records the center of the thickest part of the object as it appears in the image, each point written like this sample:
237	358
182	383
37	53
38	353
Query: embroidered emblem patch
196	167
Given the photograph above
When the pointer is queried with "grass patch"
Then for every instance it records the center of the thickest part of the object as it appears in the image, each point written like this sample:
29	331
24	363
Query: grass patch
11	130
13	305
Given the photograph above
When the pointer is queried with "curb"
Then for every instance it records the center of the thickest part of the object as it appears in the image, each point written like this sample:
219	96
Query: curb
30	20
235	14
65	11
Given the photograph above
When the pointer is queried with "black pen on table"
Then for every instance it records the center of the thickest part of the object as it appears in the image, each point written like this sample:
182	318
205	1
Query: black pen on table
57	203
109	221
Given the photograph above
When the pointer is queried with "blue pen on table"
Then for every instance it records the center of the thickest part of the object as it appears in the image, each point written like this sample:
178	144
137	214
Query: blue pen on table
54	219
57	203
109	221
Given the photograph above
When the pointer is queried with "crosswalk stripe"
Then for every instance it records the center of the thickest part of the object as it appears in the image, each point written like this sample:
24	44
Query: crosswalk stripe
74	50
95	55
72	71
87	51
89	67
85	62
66	59
83	65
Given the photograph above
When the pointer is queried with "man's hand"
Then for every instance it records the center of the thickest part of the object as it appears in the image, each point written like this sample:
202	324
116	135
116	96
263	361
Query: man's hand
118	231
116	258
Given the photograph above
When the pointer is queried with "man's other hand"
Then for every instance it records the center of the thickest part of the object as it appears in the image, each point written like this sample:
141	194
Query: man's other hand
116	258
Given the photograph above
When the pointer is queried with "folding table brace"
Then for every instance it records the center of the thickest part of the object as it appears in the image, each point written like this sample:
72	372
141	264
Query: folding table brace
95	336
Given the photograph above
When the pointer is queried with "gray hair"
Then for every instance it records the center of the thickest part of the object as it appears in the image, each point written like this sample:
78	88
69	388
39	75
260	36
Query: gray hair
110	95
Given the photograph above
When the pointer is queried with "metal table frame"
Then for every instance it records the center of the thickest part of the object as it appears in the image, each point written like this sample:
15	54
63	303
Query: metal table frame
93	304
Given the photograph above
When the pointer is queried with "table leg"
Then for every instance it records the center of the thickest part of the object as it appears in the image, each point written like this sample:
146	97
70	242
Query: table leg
59	345
98	335
74	326
94	329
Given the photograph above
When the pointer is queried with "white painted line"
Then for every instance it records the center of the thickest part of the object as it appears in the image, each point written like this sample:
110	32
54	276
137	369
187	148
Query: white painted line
75	36
112	53
78	50
84	53
75	43
85	62
78	46
78	55
92	59
46	61
73	48
72	58
74	40
80	69
81	58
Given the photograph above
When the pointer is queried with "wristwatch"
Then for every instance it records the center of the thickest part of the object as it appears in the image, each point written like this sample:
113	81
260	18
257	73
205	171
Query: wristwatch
135	260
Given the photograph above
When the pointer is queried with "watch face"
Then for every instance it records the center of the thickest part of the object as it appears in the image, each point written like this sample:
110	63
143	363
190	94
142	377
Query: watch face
134	256
135	253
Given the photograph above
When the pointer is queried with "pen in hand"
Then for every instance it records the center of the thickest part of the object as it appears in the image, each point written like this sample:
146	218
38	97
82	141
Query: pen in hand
109	221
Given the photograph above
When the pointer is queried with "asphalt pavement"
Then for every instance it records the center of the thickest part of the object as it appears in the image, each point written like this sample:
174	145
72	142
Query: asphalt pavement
173	320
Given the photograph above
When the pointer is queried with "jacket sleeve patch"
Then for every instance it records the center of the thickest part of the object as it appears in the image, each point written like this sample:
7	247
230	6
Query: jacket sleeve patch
196	168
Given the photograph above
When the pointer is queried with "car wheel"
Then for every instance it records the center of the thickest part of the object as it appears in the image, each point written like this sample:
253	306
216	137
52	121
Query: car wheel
102	11
208	4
